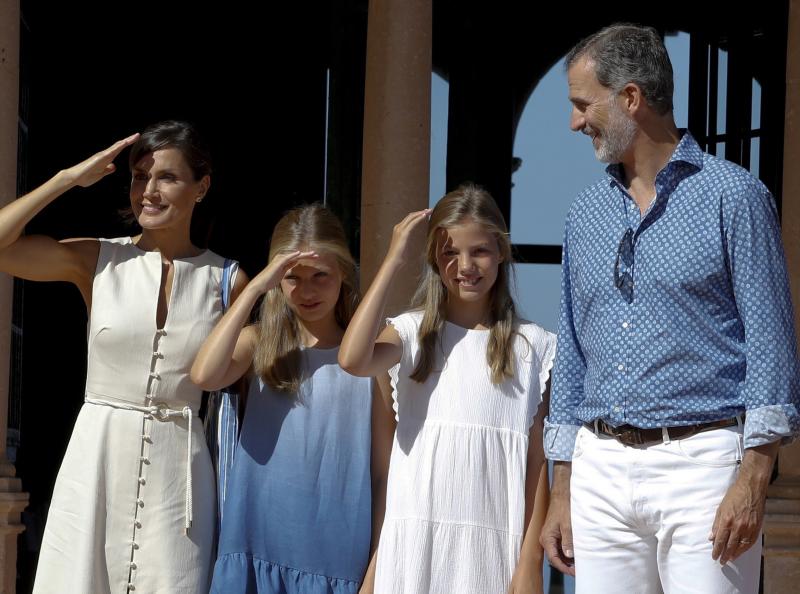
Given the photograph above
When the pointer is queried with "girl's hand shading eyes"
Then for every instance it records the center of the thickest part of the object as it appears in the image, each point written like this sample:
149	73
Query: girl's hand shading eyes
400	248
271	276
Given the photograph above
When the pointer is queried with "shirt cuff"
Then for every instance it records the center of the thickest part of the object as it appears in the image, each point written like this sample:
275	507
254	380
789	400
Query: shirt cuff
766	424
559	440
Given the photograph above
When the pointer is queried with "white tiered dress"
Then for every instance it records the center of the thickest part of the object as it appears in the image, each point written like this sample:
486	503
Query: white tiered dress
132	476
455	499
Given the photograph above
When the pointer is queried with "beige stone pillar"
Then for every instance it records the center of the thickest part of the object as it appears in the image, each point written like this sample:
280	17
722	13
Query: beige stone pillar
12	500
397	118
782	521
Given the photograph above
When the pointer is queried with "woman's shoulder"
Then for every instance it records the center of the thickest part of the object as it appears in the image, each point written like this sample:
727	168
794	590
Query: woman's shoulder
125	240
113	248
214	263
212	257
116	243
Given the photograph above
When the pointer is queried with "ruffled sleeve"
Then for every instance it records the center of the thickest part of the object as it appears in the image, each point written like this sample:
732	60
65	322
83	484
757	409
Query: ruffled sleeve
544	350
407	325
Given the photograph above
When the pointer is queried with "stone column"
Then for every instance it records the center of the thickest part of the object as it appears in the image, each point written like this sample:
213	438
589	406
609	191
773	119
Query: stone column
12	500
782	521
397	120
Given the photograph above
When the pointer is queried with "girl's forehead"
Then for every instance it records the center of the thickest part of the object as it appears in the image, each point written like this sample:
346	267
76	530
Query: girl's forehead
324	261
464	233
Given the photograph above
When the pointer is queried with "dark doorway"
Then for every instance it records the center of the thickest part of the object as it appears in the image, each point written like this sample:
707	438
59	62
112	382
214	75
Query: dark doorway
265	89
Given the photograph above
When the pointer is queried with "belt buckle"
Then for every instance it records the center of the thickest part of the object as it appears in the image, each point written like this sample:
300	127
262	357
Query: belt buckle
629	436
161	411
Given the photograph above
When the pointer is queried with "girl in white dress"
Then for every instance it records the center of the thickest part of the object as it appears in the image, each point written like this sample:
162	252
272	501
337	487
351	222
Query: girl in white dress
133	507
468	377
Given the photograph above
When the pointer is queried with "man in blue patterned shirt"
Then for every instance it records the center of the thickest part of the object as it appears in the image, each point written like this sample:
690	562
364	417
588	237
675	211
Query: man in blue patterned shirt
676	377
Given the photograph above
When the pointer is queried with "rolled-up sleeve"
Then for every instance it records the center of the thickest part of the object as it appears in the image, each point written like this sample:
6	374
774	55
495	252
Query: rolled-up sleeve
770	390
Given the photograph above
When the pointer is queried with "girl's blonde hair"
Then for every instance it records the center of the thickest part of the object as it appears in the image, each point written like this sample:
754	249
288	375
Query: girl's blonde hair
467	203
277	359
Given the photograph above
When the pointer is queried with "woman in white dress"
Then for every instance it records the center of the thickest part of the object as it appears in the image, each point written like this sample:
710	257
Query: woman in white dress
468	377
133	507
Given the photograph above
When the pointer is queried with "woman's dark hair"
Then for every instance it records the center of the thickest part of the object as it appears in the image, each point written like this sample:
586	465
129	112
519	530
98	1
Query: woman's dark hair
179	135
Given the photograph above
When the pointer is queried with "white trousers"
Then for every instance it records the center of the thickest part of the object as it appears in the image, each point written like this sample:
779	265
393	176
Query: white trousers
641	516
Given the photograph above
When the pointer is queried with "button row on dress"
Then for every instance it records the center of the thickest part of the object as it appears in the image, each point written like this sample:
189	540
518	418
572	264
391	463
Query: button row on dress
145	460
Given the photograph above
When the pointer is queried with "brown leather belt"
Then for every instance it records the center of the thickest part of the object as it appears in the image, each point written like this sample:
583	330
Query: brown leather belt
632	436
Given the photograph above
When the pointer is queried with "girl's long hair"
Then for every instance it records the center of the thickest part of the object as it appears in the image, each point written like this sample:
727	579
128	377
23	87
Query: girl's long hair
277	359
467	203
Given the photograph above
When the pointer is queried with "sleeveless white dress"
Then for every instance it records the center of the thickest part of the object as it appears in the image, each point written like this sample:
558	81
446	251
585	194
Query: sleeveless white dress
455	497
133	476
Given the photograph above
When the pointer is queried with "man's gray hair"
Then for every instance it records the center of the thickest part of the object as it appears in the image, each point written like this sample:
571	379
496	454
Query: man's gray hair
626	53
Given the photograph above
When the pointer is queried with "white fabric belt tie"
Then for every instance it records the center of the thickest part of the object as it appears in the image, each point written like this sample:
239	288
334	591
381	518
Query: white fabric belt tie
163	413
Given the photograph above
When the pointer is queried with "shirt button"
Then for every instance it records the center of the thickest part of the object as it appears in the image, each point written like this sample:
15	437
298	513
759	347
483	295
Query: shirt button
621	367
142	480
625	324
137	524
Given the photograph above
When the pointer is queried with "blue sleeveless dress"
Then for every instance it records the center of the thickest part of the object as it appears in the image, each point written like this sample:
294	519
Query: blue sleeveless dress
297	517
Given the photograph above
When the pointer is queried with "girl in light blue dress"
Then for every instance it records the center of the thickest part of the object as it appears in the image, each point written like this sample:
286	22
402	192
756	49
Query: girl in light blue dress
297	516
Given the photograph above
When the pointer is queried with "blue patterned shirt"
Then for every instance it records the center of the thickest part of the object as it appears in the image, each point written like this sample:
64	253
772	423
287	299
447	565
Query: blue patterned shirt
709	332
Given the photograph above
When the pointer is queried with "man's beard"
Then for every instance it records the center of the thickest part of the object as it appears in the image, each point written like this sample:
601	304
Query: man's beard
617	137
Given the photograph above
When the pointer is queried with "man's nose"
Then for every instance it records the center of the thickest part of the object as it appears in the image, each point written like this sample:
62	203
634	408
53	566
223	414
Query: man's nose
576	120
